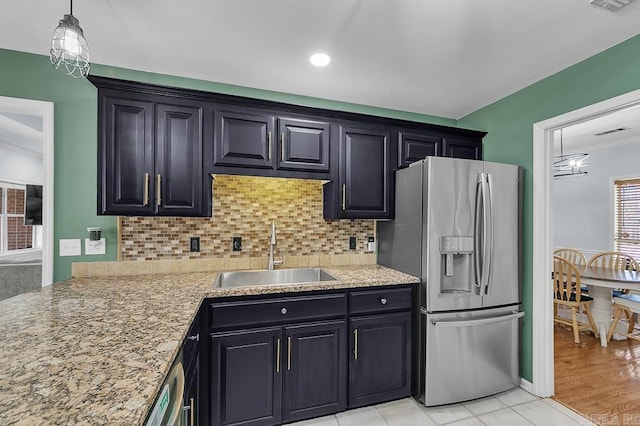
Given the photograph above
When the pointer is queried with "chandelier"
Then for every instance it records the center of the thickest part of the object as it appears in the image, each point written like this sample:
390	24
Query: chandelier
69	49
569	164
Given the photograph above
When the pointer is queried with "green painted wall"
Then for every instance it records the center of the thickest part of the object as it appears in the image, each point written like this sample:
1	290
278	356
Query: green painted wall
509	123
31	76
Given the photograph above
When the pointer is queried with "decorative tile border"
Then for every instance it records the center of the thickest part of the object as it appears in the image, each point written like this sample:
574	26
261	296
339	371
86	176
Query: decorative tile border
103	269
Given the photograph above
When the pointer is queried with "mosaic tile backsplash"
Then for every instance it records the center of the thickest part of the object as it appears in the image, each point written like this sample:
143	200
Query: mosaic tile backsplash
245	206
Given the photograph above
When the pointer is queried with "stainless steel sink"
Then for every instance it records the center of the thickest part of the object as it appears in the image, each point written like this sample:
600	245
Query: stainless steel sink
272	277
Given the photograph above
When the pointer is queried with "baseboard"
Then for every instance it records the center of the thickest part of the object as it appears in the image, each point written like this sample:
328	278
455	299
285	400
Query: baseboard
526	385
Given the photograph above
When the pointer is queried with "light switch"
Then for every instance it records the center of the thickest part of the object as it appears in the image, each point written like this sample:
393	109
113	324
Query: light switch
94	247
70	247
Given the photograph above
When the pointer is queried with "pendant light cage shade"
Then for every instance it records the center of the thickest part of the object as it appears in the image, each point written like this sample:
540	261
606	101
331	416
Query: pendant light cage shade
567	165
69	49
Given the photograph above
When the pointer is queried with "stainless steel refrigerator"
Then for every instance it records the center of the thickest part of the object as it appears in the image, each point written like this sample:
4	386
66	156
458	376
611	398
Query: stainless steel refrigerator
458	227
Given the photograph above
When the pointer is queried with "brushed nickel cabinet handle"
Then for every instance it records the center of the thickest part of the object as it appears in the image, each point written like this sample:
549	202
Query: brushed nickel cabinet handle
192	405
355	344
289	353
158	189
277	355
146	189
383	301
282	147
344	196
269	147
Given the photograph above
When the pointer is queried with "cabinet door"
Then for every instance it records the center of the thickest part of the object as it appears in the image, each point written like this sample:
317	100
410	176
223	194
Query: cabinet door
246	377
316	370
190	400
304	145
380	361
243	137
366	173
413	147
179	175
470	149
126	153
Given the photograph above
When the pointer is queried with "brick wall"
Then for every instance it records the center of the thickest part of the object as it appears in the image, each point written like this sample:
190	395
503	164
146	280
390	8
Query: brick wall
18	235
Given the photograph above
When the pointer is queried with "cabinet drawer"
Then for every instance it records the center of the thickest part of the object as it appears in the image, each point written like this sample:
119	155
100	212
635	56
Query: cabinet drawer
380	300
280	310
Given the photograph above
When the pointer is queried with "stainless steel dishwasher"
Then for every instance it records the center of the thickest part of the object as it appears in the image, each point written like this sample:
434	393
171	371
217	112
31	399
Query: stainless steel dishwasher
167	410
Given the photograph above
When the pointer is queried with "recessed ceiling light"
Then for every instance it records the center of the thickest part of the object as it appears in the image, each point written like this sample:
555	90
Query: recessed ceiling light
320	59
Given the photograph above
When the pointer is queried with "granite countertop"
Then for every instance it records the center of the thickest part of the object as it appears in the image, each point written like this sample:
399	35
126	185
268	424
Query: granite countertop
94	351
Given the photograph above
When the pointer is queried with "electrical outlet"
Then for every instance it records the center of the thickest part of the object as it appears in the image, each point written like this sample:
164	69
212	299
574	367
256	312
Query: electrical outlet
194	244
237	244
94	247
352	243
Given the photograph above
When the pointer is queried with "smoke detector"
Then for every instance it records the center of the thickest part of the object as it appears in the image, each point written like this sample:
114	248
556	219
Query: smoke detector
612	5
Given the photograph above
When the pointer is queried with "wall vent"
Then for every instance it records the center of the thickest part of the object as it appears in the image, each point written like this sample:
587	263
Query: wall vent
612	5
608	132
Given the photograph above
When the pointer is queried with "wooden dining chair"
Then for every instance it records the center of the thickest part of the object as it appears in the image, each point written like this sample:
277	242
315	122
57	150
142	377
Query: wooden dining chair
572	255
629	305
623	301
566	292
614	260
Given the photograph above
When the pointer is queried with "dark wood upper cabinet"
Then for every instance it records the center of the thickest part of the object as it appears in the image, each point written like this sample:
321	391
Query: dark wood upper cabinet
414	146
470	149
126	152
157	147
304	145
243	137
179	177
246	138
364	188
150	153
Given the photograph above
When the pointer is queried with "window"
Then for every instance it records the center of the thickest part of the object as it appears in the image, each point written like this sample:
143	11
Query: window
14	235
627	217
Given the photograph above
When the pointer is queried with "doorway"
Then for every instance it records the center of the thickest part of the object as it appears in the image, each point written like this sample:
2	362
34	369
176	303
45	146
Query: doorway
543	231
26	181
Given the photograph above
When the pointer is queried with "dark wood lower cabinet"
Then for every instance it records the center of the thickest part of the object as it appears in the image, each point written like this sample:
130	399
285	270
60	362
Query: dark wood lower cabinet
315	378
252	368
246	382
307	355
380	361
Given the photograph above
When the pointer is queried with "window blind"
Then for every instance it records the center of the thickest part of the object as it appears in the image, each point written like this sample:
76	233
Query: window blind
627	217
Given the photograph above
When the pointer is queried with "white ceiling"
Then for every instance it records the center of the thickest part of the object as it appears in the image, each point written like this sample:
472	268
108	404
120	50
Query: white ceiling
583	137
22	132
440	57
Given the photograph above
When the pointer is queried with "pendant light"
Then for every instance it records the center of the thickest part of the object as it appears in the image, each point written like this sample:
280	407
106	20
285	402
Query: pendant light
69	49
570	164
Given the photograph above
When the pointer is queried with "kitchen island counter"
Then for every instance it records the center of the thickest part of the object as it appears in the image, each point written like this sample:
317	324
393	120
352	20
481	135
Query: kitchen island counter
95	350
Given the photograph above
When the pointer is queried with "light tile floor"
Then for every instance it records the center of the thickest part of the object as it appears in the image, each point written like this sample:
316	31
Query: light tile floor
511	408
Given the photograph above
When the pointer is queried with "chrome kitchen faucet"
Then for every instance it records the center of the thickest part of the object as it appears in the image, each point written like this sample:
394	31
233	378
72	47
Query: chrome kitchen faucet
272	245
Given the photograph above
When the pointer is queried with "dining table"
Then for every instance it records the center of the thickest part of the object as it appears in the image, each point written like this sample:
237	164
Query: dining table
601	283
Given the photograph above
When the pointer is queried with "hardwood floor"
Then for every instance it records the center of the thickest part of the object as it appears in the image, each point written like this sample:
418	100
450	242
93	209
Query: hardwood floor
603	384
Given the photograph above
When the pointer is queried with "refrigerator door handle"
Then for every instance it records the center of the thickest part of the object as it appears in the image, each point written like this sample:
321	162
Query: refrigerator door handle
472	323
477	282
487	232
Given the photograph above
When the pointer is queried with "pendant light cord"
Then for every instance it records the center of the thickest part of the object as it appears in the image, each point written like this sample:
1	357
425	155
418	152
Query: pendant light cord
71	7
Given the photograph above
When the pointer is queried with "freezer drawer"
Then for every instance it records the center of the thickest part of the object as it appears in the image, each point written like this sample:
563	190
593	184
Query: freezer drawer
469	355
